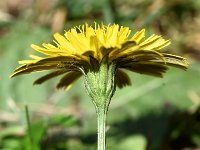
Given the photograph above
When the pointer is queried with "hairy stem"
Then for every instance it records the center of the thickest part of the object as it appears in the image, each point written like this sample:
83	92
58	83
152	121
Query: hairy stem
101	121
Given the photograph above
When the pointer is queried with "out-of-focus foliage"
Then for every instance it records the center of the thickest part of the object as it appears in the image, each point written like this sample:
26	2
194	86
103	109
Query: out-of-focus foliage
153	114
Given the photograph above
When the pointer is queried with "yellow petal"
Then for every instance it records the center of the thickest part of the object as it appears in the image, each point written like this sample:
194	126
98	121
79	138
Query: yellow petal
138	36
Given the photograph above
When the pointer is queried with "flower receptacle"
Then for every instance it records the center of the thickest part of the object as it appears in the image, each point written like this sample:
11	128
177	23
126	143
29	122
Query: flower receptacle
100	82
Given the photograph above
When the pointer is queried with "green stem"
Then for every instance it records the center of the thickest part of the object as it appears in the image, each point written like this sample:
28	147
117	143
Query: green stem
101	121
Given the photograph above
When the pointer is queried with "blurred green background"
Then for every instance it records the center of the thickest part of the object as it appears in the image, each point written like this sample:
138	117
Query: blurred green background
152	114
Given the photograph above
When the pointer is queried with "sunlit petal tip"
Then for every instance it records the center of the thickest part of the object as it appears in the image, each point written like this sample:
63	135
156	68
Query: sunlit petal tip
68	87
26	62
186	61
22	62
143	31
11	76
34	46
57	36
167	42
35	57
37	48
138	36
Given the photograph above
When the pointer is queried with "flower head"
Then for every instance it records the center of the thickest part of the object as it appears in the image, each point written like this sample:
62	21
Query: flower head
85	47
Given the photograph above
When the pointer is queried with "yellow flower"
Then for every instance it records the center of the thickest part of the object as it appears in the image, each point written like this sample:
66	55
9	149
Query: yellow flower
73	54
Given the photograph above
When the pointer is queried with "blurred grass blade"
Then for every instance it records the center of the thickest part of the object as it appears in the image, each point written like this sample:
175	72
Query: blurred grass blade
29	128
140	91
